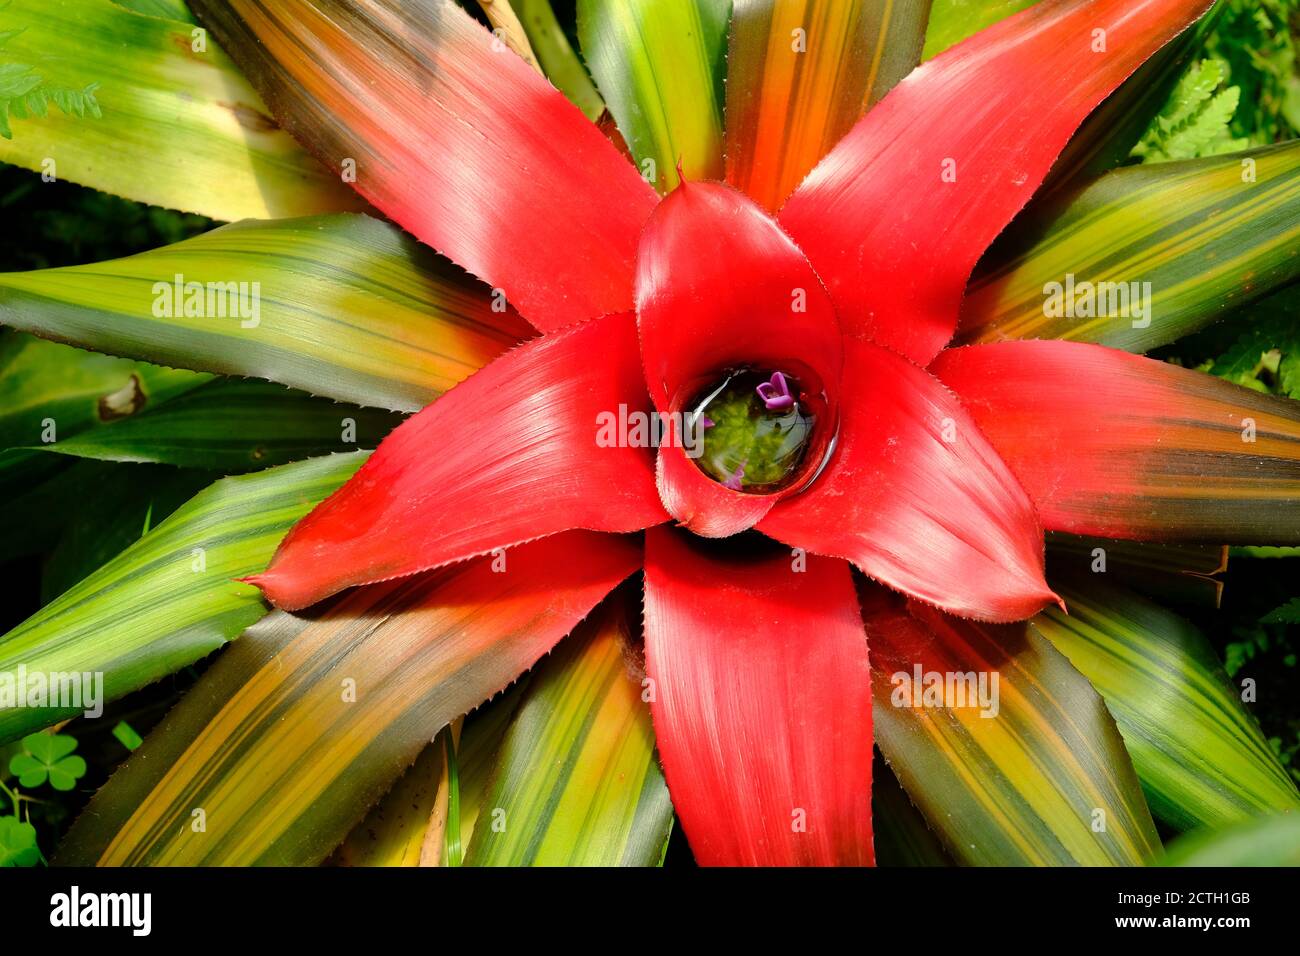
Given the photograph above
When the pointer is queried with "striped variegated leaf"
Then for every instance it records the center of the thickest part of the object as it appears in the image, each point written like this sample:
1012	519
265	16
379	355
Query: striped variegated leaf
800	73
659	65
342	306
576	780
408	827
393	832
171	597
1144	254
1199	753
308	720
1001	744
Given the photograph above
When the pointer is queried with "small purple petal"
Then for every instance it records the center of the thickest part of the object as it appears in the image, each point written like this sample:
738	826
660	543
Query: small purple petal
734	481
776	393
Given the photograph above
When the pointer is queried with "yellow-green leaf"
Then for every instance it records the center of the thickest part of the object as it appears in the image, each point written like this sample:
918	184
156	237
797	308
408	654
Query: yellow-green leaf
408	826
171	598
558	58
952	21
180	126
343	306
659	65
577	782
392	834
168	9
1262	841
476	752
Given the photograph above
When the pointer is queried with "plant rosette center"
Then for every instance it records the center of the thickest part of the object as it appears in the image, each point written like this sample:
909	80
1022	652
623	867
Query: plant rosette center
758	430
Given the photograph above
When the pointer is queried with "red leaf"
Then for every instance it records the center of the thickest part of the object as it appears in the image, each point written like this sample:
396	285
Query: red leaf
719	285
895	217
762	703
456	139
916	497
703	505
1113	444
509	455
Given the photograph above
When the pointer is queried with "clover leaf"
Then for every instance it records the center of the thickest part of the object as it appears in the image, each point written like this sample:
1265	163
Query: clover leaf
48	757
18	843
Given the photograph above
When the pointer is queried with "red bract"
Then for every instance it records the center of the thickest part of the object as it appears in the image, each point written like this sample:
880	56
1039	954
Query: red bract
934	477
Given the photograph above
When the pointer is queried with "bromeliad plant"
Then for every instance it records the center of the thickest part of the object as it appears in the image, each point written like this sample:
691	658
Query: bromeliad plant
844	525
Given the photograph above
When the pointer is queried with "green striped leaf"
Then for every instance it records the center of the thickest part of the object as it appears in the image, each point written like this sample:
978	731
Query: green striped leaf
659	64
393	832
234	426
1188	241
800	73
576	781
1172	572
476	756
179	126
952	21
170	598
1200	756
1042	780
408	826
342	306
1264	841
901	835
307	720
559	60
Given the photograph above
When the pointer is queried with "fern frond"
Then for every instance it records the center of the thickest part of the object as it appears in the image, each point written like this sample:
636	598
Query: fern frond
24	93
1196	119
